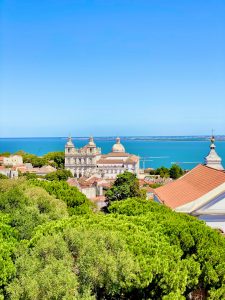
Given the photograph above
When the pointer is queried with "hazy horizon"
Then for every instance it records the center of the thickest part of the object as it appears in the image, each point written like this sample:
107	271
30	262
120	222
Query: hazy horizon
114	136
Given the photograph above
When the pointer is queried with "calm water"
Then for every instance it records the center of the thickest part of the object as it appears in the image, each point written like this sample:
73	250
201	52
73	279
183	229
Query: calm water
155	151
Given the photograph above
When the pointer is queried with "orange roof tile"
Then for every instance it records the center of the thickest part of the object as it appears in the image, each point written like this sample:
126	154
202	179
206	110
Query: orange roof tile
193	185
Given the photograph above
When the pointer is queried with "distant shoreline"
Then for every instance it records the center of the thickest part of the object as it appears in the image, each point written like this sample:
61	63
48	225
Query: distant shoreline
131	138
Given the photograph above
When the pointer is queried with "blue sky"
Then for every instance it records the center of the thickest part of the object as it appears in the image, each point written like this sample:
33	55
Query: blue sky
112	67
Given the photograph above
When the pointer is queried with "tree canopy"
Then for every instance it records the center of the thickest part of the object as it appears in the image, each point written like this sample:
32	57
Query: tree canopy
59	175
56	159
174	172
125	186
139	250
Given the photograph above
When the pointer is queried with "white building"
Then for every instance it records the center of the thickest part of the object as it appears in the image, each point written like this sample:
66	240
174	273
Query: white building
200	192
88	160
13	160
9	172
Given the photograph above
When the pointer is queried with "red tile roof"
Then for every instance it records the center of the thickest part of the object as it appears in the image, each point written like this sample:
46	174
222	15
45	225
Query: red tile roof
193	185
72	182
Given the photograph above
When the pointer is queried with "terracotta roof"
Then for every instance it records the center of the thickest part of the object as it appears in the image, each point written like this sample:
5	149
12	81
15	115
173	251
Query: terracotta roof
72	182
193	185
93	180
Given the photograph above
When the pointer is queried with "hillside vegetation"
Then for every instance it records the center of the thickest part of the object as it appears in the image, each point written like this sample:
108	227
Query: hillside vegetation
54	246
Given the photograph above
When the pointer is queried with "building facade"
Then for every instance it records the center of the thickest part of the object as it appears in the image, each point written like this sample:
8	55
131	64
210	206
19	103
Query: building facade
88	160
13	160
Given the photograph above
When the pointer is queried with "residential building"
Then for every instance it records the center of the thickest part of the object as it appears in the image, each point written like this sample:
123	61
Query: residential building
13	160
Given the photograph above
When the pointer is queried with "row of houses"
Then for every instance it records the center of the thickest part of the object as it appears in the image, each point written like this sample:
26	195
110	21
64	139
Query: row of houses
11	166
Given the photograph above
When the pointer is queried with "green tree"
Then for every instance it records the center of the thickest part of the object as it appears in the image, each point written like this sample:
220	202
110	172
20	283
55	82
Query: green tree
29	175
28	206
2	176
163	172
45	272
56	159
176	172
8	243
33	159
77	203
5	154
125	186
59	175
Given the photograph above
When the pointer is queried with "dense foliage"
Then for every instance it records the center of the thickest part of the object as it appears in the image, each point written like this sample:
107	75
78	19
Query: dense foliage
28	206
77	203
139	250
125	186
59	175
55	159
174	172
35	160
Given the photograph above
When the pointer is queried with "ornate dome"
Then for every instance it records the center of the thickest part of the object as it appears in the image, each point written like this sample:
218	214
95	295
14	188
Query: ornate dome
118	147
91	142
213	160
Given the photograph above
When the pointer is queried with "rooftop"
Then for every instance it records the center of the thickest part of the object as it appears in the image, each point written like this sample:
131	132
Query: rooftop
193	185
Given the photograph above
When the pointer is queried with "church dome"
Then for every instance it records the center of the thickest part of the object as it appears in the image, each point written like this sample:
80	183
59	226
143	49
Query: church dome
91	142
213	160
118	147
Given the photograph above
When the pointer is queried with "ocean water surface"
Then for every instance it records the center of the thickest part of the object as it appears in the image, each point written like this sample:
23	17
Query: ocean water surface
153	151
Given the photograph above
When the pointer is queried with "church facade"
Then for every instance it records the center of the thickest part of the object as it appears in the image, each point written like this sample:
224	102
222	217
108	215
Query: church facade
88	160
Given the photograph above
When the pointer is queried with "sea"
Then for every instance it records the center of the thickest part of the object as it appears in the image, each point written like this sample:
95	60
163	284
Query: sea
154	151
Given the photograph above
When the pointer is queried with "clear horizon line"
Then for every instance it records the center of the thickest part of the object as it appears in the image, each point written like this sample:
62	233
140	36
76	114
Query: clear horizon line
113	136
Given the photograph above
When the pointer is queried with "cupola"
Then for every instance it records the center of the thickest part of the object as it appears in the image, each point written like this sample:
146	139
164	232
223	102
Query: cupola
118	147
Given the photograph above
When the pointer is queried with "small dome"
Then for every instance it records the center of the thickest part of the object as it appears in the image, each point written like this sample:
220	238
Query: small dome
91	142
118	147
